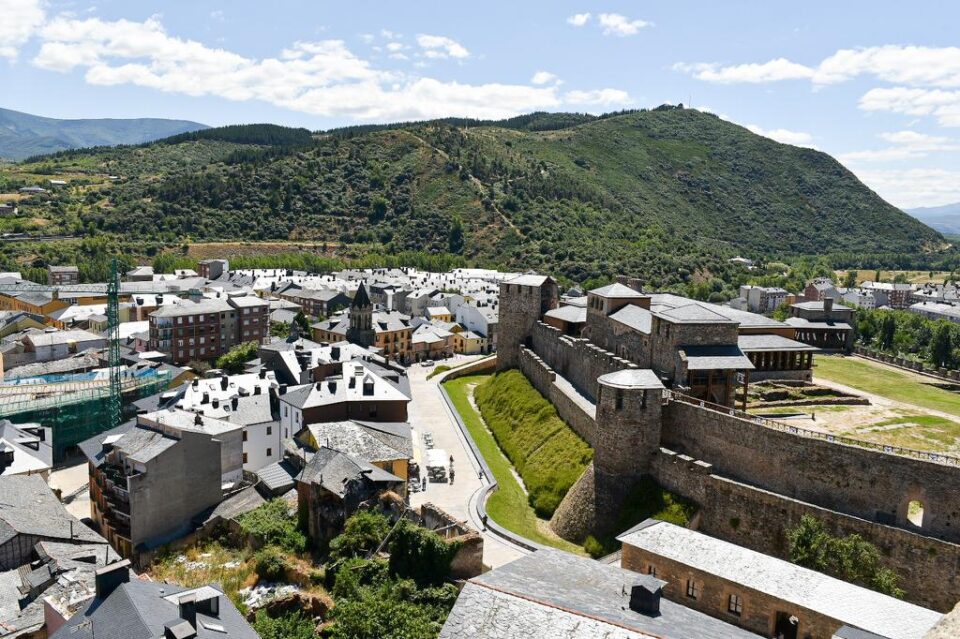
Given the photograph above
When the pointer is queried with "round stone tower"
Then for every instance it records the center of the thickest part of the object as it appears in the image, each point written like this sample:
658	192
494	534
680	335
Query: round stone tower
628	422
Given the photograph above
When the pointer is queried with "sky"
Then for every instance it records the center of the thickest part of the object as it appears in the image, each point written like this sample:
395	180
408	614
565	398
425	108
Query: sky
875	84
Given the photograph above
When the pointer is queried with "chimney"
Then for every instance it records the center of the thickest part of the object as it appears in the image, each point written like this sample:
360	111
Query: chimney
335	353
256	390
828	306
332	385
109	577
263	373
187	608
205	399
209	606
224	382
215	403
645	595
283	389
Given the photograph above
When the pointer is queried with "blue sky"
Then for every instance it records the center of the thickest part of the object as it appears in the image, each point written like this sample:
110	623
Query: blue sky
876	84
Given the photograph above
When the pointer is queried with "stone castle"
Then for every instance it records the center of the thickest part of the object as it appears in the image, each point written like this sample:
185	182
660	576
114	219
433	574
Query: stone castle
649	382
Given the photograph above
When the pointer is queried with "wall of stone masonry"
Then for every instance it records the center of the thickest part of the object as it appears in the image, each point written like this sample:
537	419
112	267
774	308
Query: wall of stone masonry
760	520
863	482
578	360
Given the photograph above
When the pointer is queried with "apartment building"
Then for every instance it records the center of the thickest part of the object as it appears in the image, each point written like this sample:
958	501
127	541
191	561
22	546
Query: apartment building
61	275
206	329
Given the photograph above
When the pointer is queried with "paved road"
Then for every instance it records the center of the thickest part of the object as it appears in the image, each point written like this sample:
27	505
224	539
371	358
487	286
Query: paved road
429	413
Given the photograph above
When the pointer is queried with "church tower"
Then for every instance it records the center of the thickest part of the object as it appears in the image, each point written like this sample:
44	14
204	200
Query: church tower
361	319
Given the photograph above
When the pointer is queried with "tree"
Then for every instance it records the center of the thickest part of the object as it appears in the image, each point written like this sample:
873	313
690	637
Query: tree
888	329
851	557
850	279
361	534
232	361
941	346
455	240
289	626
302	323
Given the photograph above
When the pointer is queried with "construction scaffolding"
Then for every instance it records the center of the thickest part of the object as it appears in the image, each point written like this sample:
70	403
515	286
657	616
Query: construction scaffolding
76	409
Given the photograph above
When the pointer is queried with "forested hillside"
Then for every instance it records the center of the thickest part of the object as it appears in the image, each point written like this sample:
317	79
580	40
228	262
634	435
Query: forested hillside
670	193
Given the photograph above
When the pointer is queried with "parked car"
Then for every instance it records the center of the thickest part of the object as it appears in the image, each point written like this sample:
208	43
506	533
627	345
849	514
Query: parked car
427	362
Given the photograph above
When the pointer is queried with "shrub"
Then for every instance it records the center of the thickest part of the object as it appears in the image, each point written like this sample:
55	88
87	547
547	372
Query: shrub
232	361
442	368
546	452
287	626
593	547
273	524
271	563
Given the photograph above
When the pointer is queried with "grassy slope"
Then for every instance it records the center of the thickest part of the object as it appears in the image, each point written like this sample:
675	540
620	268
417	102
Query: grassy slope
508	505
886	382
548	454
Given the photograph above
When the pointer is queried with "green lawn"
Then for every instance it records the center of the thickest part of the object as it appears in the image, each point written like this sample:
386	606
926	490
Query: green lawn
886	382
508	505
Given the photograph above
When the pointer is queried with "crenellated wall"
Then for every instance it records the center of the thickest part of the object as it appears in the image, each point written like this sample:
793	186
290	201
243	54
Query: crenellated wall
863	482
579	361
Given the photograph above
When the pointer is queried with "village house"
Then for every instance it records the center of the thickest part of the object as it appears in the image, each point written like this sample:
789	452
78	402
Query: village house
62	275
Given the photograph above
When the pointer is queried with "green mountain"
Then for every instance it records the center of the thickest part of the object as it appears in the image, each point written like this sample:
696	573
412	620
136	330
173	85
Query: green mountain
945	218
671	193
23	135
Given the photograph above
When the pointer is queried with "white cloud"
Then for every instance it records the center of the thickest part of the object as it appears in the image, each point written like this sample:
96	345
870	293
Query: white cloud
906	145
616	24
772	71
390	35
543	77
435	46
322	78
395	46
786	136
579	19
597	97
943	105
19	19
911	188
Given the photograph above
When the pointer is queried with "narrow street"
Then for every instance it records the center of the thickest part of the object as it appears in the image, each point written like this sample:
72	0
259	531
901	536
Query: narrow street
429	414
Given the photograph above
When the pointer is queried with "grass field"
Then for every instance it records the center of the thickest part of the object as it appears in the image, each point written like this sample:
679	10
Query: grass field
914	277
508	505
887	382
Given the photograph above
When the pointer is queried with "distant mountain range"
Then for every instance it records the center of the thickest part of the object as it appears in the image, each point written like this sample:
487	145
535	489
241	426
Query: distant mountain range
945	219
23	135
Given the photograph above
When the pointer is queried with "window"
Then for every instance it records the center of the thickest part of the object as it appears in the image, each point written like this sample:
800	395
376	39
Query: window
269	430
284	410
693	589
269	452
244	458
735	605
244	435
651	570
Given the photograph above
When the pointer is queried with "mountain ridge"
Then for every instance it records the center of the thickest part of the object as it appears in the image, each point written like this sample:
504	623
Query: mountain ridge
671	193
23	135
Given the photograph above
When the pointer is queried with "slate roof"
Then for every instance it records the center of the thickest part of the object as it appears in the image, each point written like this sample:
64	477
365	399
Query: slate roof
141	609
387	386
847	603
368	441
361	299
29	453
616	290
633	378
757	343
278	477
572	314
332	469
692	313
799	322
528	280
29	507
639	319
702	358
550	593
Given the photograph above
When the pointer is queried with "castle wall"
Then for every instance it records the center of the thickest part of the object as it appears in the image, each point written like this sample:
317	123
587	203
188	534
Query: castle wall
579	361
862	482
760	520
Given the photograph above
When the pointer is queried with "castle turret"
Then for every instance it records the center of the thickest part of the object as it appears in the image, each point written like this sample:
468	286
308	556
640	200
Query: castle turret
628	422
523	301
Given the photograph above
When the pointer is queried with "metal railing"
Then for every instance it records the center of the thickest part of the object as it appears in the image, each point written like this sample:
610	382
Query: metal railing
925	455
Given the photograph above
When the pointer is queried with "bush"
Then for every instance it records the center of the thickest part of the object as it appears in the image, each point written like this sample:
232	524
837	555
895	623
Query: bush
273	524
546	452
593	547
288	626
271	563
